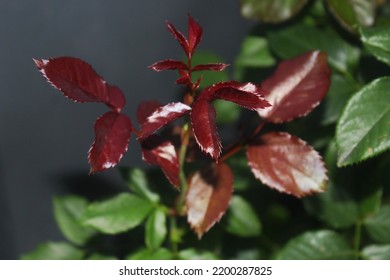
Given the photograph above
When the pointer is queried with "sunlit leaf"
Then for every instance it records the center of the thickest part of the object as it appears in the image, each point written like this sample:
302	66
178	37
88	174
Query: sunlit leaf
78	81
117	214
162	116
156	229
208	196
241	218
377	41
157	151
194	35
297	87
317	245
54	251
145	109
376	252
273	11
363	130
287	164
112	135
353	13
378	225
67	212
210	67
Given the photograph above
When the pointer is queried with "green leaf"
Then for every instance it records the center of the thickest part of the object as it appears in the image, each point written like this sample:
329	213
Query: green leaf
117	214
137	181
353	13
337	206
156	229
273	11
227	112
255	53
378	225
97	256
376	252
363	130
370	203
67	212
208	77
297	39
317	245
147	254
377	41
194	254
338	94
241	219
54	251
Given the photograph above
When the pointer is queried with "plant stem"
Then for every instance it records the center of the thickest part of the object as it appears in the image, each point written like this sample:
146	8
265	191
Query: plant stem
173	235
357	239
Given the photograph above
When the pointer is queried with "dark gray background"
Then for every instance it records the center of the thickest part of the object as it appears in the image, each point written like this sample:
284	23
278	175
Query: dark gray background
44	136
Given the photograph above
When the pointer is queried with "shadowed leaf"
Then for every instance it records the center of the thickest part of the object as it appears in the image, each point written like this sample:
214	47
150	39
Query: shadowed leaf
287	164
158	151
297	87
112	135
168	64
211	67
54	251
194	35
78	81
208	196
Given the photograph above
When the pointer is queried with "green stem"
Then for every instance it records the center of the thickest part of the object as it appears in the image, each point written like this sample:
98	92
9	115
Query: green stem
173	235
357	239
180	206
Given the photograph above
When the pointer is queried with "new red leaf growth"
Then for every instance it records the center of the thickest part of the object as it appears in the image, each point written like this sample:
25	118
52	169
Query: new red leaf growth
208	196
297	87
287	164
112	135
78	81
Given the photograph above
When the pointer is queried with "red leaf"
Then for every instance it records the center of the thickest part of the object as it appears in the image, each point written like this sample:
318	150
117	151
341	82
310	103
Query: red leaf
162	153
247	95
168	64
145	109
208	196
78	81
194	35
179	37
112	135
204	127
210	66
162	116
287	164
297	87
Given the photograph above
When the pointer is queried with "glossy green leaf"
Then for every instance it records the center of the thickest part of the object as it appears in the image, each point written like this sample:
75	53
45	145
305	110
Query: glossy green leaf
317	245
271	10
208	77
242	219
67	212
340	91
255	53
156	229
138	182
376	252
147	254
353	13
117	214
378	225
54	251
377	41
337	206
363	130
301	38
194	254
